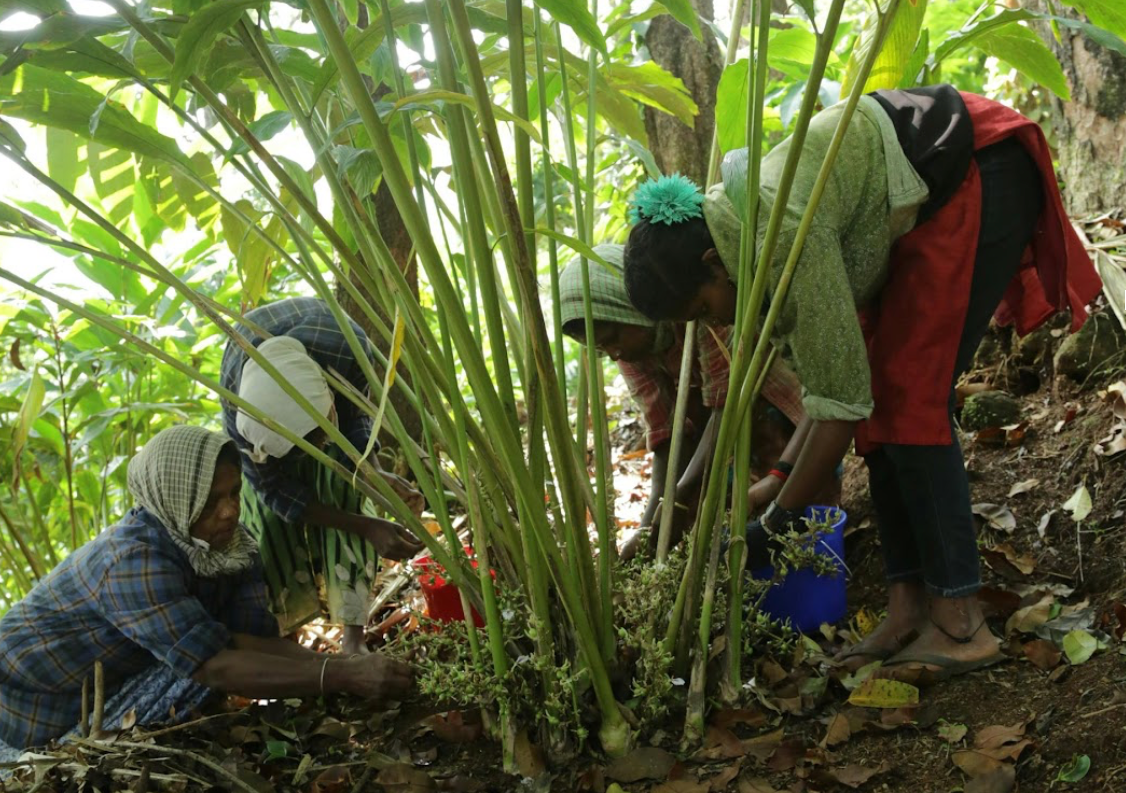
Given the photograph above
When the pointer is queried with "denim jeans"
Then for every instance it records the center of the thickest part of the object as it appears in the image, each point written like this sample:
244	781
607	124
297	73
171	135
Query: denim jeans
921	493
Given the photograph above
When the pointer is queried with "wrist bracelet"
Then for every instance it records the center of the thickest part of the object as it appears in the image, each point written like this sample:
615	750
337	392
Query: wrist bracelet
784	467
779	473
324	666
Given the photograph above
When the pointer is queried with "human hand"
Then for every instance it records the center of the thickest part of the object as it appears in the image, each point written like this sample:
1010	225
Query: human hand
414	500
378	677
762	492
681	520
391	540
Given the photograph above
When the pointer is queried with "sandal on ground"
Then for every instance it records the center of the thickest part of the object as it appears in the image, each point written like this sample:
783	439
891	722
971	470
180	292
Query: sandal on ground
947	667
875	653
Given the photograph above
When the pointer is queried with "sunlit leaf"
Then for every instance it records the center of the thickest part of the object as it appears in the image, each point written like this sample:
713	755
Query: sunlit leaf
576	15
1079	505
29	412
1022	49
198	36
884	694
896	52
1079	646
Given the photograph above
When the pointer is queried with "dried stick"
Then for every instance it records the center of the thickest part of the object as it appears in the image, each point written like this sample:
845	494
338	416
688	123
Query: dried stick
99	698
234	781
84	725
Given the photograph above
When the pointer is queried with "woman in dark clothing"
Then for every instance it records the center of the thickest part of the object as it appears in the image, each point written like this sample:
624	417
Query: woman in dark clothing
941	210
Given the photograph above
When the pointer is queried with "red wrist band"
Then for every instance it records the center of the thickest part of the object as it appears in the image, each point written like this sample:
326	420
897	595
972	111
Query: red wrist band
780	474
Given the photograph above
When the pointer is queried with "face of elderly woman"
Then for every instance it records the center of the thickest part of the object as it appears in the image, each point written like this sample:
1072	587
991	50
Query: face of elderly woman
217	523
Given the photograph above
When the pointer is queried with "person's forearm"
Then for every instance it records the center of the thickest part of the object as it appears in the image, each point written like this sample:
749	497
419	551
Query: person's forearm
797	441
258	675
324	516
273	645
656	482
822	451
693	473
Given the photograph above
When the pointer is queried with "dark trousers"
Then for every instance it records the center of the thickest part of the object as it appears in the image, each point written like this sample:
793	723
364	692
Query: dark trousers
921	493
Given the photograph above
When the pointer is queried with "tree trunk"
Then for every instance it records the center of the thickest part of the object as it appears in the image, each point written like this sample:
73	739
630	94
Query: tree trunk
1091	128
676	147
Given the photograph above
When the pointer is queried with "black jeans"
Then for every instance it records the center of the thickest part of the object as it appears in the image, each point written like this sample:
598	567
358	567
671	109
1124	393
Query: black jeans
921	493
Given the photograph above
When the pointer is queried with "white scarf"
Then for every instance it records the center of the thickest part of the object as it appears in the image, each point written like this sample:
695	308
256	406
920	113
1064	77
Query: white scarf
171	477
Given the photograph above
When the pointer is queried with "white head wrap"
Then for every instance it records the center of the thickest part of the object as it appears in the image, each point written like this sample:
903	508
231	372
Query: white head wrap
171	477
289	357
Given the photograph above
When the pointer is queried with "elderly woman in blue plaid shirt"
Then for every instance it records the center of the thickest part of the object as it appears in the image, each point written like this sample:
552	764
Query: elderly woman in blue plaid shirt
319	550
171	601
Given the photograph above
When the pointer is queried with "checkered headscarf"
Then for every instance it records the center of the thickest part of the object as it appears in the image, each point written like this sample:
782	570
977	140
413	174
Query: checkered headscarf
608	300
171	478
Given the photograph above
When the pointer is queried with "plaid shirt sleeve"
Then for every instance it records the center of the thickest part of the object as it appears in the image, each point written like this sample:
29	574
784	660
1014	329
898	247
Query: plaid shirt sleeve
249	610
144	595
715	367
653	392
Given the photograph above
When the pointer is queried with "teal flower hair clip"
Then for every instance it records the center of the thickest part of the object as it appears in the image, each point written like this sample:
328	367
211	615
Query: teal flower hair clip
669	200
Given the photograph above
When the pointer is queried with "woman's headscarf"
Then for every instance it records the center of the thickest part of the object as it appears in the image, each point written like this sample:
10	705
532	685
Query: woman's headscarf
608	301
171	477
257	387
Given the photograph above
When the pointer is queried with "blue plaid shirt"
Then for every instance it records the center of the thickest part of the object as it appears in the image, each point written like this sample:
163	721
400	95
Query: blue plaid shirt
128	598
308	320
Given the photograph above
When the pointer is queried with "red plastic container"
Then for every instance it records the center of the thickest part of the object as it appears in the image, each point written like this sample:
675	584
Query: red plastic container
443	599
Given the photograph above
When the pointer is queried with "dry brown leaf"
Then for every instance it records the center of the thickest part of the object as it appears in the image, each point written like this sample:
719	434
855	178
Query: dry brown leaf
975	763
996	516
1010	751
725	777
787	754
998	735
756	785
1000	780
1005	554
1114	443
645	762
856	775
773	672
1023	487
1043	654
682	786
403	778
1116	395
998	602
899	716
762	746
721	744
337	780
457	726
840	730
1120	614
529	758
729	718
1029	618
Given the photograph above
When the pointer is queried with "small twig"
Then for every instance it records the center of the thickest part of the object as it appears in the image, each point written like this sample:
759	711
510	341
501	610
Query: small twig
362	784
185	725
1100	711
151	747
84	725
99	698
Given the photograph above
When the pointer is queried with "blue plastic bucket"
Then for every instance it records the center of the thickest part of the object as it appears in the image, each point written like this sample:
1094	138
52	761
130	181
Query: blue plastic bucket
803	597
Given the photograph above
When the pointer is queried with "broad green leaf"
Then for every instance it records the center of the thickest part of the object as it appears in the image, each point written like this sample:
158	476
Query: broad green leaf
361	167
111	170
9	135
200	204
1022	49
576	15
1075	770
683	12
575	244
898	46
57	30
1079	646
56	100
437	96
29	412
731	107
1079	505
1107	14
198	36
62	157
791	51
652	85
917	61
645	156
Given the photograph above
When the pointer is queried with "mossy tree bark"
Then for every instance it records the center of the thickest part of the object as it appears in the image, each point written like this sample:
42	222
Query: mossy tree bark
1090	129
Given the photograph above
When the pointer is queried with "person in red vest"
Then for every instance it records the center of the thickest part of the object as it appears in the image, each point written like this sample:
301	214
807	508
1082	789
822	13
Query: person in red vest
940	212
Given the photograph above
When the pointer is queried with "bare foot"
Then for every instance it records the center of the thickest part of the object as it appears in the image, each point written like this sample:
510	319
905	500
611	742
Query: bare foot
952	620
354	641
906	615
